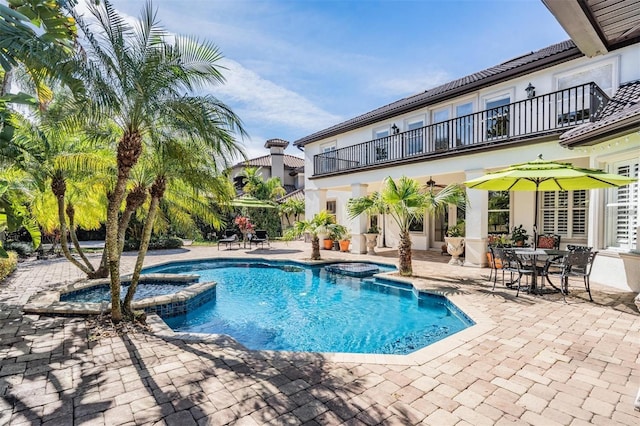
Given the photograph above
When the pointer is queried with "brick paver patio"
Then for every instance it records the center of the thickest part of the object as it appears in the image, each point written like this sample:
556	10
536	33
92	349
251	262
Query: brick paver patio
540	362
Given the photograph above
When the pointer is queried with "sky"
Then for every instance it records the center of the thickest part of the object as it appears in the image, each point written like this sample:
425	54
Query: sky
294	67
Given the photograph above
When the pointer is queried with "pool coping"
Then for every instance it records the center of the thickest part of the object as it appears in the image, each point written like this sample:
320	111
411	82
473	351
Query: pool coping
482	325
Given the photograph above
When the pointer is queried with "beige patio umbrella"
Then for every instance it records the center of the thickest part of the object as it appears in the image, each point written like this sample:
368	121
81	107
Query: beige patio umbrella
541	175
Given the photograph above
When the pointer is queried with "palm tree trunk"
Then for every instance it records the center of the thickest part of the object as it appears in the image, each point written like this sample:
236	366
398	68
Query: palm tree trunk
142	252
157	192
315	248
404	254
59	187
129	150
71	213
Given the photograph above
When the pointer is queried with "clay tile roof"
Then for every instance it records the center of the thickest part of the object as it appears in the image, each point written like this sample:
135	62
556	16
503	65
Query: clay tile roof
623	107
290	162
298	194
533	61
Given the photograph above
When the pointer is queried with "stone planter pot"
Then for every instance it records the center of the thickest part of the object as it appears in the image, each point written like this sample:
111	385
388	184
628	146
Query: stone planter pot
372	242
455	247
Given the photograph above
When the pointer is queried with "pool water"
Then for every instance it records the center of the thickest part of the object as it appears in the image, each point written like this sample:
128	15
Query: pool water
286	306
102	293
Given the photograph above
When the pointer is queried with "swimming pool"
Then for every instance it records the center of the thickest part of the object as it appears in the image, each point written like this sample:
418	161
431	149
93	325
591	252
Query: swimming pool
295	307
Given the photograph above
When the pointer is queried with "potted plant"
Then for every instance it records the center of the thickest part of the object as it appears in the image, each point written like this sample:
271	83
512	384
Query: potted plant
372	239
519	236
341	236
455	243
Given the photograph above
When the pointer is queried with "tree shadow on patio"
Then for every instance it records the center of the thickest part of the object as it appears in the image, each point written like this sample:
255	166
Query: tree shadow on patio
46	378
284	387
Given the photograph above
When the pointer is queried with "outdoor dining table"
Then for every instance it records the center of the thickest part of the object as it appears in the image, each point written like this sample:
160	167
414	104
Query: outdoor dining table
530	256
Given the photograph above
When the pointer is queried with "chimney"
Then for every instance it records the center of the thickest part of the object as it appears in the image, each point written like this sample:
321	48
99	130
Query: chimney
276	148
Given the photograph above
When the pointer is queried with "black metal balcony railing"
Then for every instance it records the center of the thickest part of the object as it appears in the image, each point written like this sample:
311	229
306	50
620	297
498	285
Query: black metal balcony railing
536	116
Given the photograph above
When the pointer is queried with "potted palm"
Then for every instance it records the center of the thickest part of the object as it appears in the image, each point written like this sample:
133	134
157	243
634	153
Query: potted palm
314	227
455	243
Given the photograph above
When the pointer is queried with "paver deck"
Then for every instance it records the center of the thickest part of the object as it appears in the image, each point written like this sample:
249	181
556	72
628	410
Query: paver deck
541	362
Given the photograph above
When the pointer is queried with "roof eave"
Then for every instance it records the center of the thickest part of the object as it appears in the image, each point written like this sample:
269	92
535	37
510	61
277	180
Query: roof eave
600	135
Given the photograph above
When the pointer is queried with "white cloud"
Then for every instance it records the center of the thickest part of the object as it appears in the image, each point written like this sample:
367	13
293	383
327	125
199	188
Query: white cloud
400	85
263	100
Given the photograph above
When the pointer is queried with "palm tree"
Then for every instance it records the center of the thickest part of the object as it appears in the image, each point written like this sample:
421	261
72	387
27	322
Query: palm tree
406	201
57	155
292	207
256	186
181	166
143	79
321	223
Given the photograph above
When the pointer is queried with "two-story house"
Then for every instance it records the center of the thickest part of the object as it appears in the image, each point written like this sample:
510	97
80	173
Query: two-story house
577	101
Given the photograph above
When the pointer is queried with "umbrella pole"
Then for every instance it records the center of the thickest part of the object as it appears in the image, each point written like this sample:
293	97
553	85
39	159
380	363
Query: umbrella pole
535	219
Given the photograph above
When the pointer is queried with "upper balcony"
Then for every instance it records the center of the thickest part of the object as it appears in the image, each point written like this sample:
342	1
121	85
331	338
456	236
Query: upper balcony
543	115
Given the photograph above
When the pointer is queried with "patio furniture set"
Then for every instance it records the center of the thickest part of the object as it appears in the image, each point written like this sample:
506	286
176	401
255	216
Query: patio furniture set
545	260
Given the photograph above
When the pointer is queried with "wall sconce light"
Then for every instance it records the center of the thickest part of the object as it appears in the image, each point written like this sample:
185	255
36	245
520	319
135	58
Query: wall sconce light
395	129
531	91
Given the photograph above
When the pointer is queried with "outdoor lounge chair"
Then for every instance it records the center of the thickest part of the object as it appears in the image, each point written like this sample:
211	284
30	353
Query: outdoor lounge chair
229	239
260	237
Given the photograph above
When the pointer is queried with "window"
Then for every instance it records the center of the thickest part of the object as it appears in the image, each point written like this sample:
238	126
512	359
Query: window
498	118
464	124
417	225
498	212
564	213
414	138
331	207
381	144
440	129
329	161
622	209
574	106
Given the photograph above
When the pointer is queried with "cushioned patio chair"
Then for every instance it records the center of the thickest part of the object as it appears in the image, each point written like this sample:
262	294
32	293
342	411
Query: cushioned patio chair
260	237
230	237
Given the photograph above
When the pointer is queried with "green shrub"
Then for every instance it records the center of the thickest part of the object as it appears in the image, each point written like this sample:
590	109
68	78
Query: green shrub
23	249
165	242
160	242
8	265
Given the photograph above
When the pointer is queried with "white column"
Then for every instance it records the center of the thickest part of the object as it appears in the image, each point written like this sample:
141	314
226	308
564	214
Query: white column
358	225
315	201
476	223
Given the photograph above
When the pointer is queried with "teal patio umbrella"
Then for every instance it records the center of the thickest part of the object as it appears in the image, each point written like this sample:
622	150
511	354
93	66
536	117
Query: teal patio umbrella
541	175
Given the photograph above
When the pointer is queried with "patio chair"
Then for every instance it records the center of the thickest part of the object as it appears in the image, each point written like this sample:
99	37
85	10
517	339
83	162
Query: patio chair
260	237
574	248
494	264
548	241
577	264
230	237
512	263
499	262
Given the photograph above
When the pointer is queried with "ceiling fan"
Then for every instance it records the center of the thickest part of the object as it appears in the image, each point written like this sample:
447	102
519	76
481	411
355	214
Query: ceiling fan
432	184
